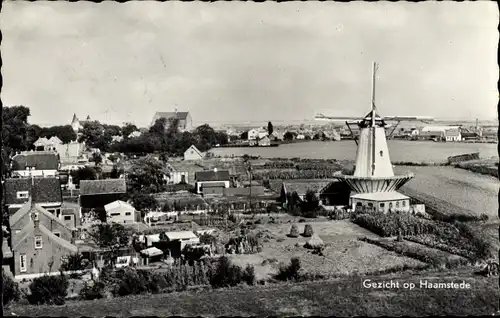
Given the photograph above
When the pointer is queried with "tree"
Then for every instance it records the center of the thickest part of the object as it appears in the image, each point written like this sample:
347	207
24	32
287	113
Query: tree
127	129
311	201
244	135
96	158
147	175
159	127
10	289
144	202
288	136
33	133
110	237
65	133
92	134
48	290
270	128
85	173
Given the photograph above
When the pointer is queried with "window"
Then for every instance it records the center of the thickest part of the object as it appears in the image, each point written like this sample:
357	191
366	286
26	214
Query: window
128	213
22	263
18	231
115	214
57	234
22	194
390	205
403	203
359	204
38	242
381	153
382	205
67	218
397	204
370	205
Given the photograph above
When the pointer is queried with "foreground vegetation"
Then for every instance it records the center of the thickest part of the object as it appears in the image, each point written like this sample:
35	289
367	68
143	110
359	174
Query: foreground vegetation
345	297
455	237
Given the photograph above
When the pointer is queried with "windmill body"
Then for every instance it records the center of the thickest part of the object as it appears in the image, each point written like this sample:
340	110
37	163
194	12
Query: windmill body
373	184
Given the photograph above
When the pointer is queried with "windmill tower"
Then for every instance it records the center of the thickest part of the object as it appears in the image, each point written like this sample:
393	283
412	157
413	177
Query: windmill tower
373	184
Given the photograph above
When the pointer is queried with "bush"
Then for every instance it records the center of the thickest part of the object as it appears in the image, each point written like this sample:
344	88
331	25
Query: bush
11	290
249	275
131	283
308	231
302	221
73	262
294	231
289	272
226	274
48	290
94	290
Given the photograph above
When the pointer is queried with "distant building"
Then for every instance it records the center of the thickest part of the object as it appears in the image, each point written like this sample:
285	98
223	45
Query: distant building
300	187
45	192
276	135
177	177
120	212
35	163
203	178
70	152
185	237
77	124
262	133
192	153
253	134
453	135
95	194
134	134
300	137
264	141
44	144
39	241
185	120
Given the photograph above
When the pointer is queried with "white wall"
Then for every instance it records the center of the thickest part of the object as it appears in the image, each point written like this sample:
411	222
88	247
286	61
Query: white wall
199	184
122	217
399	205
364	155
36	173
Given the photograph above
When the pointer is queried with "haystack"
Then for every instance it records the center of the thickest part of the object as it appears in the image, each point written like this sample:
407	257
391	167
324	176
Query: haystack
315	242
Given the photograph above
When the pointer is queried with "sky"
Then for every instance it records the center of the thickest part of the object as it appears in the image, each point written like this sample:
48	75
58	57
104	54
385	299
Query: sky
229	62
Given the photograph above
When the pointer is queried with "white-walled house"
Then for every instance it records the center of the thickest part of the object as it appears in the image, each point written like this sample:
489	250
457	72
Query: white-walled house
120	212
35	164
253	134
192	153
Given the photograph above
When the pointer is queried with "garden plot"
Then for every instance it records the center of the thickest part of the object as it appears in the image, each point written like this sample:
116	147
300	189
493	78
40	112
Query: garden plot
343	253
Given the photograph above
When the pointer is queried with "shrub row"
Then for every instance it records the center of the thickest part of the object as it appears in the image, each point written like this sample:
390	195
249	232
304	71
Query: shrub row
131	281
433	258
392	224
434	241
293	175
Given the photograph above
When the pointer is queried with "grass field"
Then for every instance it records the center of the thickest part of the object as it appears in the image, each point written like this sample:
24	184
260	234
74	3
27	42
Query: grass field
343	253
455	190
341	297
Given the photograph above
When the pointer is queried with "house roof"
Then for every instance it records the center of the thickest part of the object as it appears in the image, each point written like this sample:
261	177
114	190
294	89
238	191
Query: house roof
29	230
106	186
41	160
301	187
118	204
212	175
27	208
380	196
42	141
55	140
452	133
42	190
194	149
167	115
152	251
181	235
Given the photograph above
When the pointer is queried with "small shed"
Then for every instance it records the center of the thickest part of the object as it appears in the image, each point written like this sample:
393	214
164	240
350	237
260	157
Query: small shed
192	153
151	254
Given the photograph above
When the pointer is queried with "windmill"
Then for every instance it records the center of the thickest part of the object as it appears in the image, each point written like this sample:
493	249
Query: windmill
374	182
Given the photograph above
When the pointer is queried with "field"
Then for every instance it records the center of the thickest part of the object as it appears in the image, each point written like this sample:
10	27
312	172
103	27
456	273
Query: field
340	297
456	190
343	253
